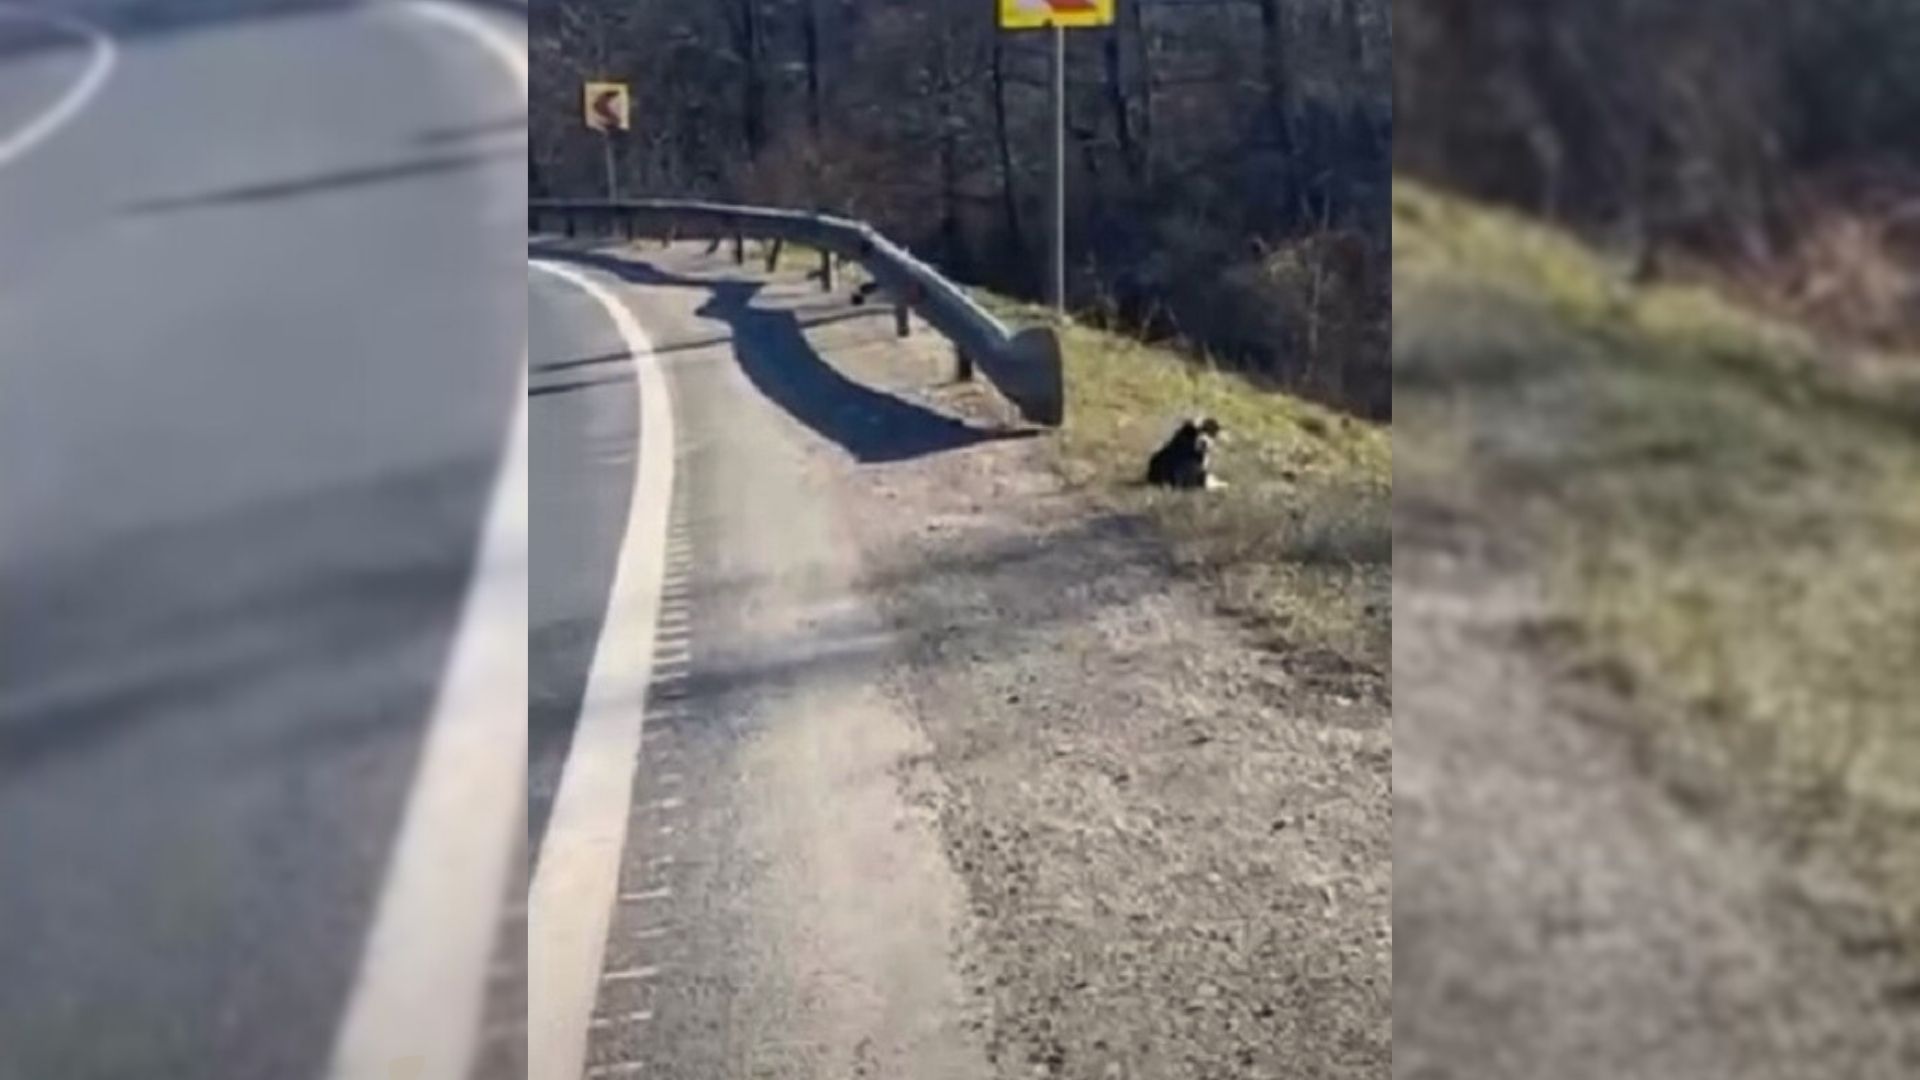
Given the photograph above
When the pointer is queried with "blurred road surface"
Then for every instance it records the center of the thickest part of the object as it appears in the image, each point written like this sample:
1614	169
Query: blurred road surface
261	330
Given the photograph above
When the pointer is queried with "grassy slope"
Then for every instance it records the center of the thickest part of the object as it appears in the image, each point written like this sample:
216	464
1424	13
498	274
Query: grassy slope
1729	514
1300	542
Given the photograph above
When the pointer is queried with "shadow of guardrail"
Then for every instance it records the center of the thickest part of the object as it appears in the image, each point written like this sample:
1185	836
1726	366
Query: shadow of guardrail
1024	366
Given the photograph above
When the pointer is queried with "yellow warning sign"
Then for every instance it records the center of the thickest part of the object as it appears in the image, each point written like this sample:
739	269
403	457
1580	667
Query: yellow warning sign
1040	14
607	106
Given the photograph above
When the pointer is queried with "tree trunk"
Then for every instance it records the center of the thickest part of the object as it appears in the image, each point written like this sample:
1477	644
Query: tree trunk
1279	91
754	103
811	33
1119	105
949	151
1009	196
1138	21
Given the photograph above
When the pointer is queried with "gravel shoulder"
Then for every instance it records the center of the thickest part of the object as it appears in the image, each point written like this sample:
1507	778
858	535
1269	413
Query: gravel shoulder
1558	913
1176	856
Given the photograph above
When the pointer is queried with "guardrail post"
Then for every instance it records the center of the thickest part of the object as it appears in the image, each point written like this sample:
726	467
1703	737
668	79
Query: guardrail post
569	227
739	248
902	318
964	372
714	246
773	255
826	271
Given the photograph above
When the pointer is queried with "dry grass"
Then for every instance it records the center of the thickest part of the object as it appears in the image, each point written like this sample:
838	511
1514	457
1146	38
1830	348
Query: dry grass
1730	517
1299	544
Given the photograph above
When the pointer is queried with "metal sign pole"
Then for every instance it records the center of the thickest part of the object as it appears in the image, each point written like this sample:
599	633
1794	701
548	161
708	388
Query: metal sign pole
1058	283
606	144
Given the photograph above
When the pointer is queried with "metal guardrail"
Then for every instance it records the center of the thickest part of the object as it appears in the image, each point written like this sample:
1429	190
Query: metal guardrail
1024	366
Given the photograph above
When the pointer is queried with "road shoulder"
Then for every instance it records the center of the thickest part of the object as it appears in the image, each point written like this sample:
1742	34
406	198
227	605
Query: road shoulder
1177	858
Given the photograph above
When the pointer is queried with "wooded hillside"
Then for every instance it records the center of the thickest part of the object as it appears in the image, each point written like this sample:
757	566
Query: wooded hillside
1777	138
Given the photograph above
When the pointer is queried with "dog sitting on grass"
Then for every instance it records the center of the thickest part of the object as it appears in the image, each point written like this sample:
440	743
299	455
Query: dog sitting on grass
1186	461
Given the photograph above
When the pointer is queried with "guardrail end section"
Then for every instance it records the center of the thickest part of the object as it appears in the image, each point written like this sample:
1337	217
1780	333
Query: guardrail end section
1037	383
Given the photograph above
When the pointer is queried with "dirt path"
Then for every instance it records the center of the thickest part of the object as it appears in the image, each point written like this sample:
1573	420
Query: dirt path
1559	915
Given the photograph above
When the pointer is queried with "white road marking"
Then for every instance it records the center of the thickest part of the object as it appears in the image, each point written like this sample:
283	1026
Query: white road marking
570	907
101	57
646	896
509	50
638	1016
637	974
628	1068
415	1009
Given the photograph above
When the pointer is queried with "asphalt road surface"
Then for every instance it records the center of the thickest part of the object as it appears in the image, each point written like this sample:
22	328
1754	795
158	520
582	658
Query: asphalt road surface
261	332
775	907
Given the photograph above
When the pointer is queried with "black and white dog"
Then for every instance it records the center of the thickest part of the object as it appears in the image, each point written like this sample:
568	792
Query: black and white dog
1187	458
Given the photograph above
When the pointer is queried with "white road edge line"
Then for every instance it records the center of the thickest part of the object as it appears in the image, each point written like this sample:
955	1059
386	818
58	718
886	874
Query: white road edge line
416	1006
509	50
103	56
575	882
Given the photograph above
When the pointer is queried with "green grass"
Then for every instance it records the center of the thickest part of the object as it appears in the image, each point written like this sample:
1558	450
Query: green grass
1727	509
1300	542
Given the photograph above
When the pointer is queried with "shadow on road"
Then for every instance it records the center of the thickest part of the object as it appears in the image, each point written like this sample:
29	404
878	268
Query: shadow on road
570	385
619	356
980	601
506	125
321	183
771	347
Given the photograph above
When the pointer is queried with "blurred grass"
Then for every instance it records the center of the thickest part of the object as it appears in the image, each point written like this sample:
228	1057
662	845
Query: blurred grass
1299	544
1729	510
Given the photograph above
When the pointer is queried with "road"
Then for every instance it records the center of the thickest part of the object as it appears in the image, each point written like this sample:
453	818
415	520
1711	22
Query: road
261	527
903	761
772	906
